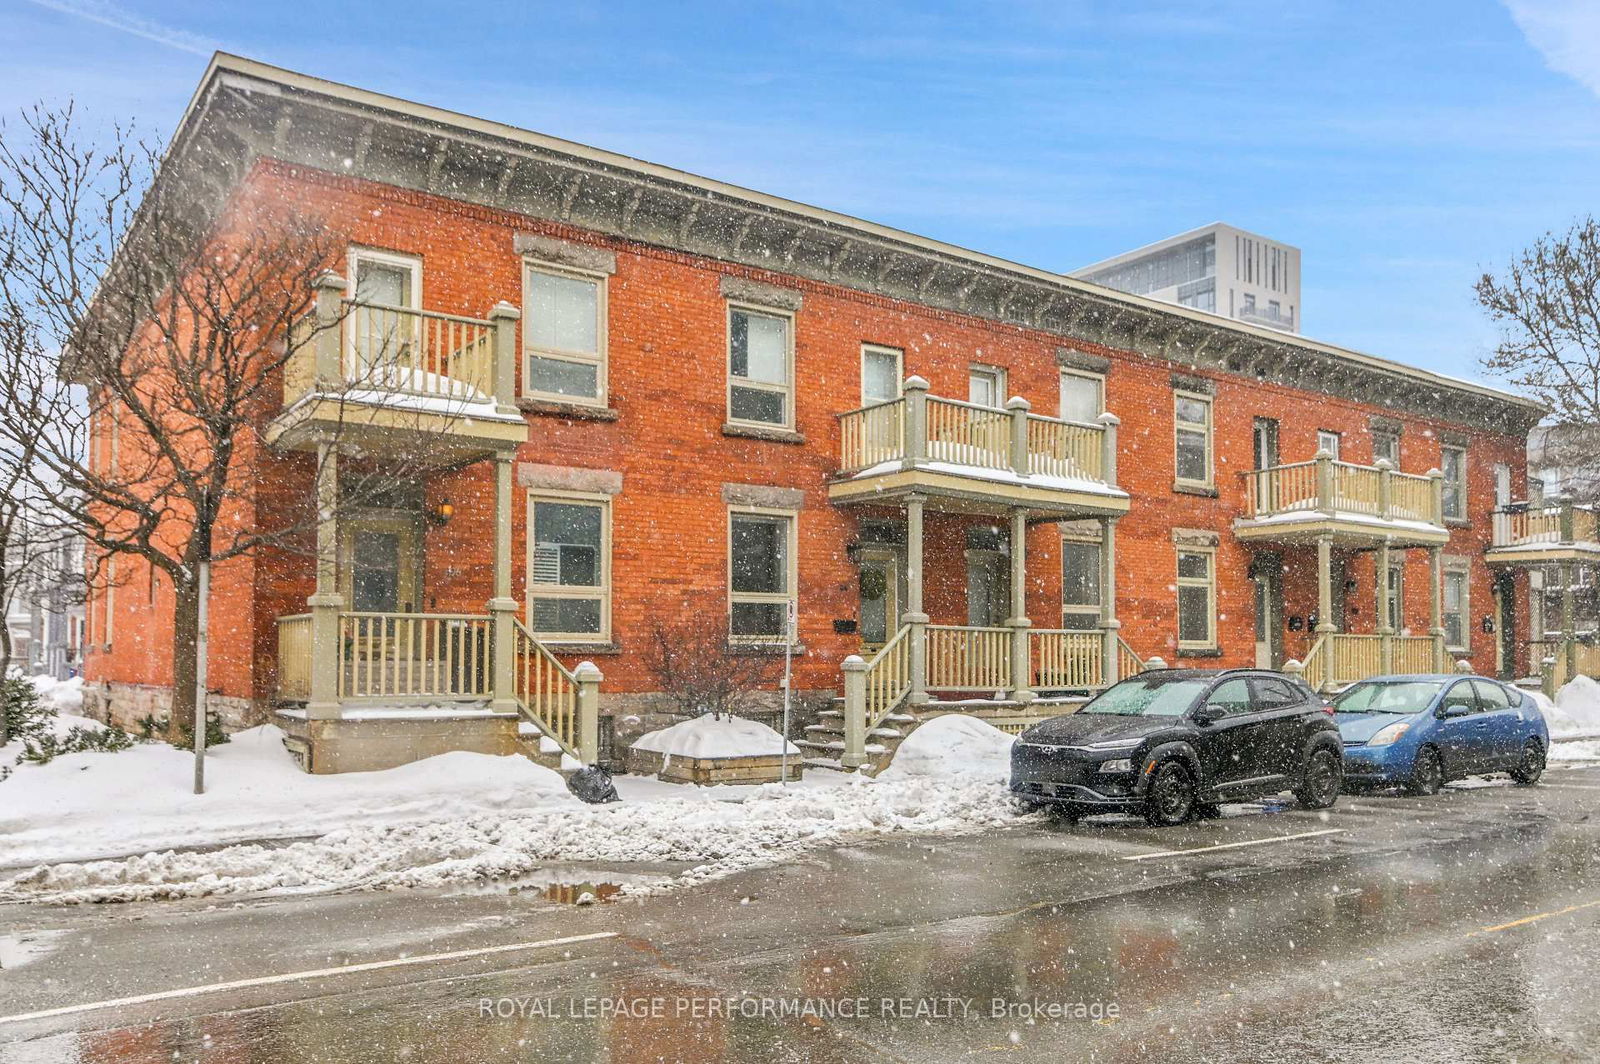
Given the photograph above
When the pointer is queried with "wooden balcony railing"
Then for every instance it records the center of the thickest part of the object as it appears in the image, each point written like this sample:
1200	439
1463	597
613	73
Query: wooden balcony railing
414	655
365	350
968	659
1520	524
1067	659
1328	486
920	428
1337	659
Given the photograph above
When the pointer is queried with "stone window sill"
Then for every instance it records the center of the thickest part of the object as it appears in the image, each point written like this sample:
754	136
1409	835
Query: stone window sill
576	411
1184	488
756	432
1200	652
588	649
763	650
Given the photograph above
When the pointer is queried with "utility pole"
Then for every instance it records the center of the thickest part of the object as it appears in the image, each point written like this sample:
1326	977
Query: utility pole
791	628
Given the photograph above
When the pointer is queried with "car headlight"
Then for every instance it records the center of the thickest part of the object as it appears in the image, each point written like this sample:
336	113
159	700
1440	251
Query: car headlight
1389	734
1120	765
1116	744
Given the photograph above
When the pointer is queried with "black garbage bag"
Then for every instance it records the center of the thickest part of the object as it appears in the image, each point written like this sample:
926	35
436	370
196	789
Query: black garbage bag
593	784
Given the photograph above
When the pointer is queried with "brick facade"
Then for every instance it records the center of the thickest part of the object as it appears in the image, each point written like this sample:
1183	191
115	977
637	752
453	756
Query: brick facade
667	374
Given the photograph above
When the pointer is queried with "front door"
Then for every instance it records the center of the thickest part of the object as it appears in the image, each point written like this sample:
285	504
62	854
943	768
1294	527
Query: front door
381	574
1268	578
1505	593
879	582
988	588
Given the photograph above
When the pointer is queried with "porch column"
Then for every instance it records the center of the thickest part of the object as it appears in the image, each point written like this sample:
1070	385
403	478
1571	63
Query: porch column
1436	605
1569	644
326	602
1384	628
1110	627
502	607
1325	625
914	617
503	366
1018	622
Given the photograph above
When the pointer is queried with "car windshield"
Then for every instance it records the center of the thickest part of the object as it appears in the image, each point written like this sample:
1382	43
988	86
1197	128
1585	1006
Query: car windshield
1399	696
1153	697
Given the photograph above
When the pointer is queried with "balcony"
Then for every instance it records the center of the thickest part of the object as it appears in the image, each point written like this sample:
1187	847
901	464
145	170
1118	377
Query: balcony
382	377
1355	504
1558	532
977	458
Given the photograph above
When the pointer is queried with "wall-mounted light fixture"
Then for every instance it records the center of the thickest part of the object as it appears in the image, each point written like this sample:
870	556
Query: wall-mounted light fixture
442	512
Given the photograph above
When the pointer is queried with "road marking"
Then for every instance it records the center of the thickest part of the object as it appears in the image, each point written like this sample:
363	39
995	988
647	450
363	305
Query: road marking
1233	845
289	977
1535	919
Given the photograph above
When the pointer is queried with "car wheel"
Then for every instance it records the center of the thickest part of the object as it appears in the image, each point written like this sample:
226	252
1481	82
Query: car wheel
1171	798
1531	767
1319	787
1427	773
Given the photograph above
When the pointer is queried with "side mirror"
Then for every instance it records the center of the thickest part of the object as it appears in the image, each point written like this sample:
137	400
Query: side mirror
1457	710
1207	715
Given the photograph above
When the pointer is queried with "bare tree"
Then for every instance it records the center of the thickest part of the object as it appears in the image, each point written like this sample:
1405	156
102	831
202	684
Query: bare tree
146	349
1547	305
698	670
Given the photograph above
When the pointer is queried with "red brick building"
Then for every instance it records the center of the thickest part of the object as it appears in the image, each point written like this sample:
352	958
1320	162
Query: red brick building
675	396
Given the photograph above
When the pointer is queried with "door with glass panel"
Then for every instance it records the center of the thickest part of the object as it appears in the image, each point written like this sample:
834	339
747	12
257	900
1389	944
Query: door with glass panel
380	564
383	338
878	579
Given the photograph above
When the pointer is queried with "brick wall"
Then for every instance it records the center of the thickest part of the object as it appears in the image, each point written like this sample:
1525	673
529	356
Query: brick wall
667	377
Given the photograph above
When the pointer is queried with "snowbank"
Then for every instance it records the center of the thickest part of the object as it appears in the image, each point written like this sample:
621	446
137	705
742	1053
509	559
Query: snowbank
1579	701
707	737
62	696
773	825
90	805
953	746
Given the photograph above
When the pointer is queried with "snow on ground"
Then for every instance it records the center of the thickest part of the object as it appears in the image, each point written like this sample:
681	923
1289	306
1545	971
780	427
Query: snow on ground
954	746
774	823
88	805
710	737
1575	712
63	696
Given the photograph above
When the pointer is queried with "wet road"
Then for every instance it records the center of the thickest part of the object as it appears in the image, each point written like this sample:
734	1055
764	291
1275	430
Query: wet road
1459	928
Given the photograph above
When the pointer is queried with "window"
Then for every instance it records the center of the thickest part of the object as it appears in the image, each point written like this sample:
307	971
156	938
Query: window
1386	445
880	374
1249	304
1192	413
1080	584
986	386
1461	696
1328	441
1231	697
760	357
1502	484
564	335
1082	395
1453	462
761	575
1197	600
569	578
385	278
1456	628
1273	693
1491	696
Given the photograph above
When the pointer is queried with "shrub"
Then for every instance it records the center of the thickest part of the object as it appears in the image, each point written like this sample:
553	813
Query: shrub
26	717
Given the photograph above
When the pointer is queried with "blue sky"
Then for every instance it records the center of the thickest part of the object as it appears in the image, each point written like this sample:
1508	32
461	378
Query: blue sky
1403	145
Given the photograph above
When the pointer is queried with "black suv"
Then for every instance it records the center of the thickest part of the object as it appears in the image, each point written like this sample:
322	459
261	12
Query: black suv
1172	742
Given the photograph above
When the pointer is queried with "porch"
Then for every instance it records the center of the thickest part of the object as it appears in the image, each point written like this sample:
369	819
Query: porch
919	456
1343	510
1557	543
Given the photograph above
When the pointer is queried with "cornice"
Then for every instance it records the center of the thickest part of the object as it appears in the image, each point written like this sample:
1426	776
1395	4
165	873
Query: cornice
244	111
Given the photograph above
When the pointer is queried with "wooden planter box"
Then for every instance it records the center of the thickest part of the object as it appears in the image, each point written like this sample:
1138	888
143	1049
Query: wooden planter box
709	771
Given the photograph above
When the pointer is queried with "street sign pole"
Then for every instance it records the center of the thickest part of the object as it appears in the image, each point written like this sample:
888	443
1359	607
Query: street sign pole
791	627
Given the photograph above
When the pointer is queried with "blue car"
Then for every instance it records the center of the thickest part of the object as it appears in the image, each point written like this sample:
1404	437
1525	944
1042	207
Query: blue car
1421	731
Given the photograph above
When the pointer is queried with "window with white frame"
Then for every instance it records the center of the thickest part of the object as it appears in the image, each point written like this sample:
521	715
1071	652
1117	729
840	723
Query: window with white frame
1080	583
1453	463
1386	445
564	334
1328	441
761	574
986	386
1082	395
1192	438
569	577
760	366
1197	598
1396	596
1457	629
881	369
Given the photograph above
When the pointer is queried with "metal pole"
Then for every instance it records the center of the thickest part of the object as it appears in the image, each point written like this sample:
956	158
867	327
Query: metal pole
201	654
791	627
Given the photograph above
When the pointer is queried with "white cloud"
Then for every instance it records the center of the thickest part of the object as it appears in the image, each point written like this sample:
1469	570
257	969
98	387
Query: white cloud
109	14
1566	33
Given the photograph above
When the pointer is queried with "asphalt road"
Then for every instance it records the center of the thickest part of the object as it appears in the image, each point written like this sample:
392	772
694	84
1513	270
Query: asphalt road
1464	927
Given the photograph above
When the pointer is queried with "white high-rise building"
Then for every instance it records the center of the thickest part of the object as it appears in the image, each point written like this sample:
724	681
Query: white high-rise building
1215	268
